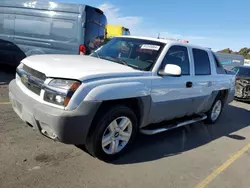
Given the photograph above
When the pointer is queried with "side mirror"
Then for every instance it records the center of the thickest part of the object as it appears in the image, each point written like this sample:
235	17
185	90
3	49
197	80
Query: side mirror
170	70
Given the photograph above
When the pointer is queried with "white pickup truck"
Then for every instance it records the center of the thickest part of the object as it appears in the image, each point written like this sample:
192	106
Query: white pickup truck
129	85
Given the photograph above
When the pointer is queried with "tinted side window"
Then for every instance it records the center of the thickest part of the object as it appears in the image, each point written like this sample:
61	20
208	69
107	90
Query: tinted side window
177	55
201	62
217	61
244	72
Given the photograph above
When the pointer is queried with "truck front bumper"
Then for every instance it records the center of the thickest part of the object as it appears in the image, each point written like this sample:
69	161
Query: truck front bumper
69	127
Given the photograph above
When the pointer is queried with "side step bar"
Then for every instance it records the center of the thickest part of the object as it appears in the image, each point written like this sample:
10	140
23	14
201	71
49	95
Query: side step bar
169	127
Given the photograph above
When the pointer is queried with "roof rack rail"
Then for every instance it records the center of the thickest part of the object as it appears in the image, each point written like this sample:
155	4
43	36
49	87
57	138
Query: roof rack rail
180	40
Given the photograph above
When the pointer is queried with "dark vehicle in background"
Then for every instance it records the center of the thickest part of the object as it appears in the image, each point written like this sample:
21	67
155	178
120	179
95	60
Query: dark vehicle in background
40	27
229	61
242	88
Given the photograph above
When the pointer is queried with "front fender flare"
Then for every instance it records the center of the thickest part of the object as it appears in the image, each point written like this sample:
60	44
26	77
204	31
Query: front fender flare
115	91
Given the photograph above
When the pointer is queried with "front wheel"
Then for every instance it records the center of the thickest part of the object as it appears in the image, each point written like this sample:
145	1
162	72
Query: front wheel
114	132
215	111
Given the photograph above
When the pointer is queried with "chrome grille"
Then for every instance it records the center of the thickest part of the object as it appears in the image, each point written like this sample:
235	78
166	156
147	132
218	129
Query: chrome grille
34	73
31	79
35	89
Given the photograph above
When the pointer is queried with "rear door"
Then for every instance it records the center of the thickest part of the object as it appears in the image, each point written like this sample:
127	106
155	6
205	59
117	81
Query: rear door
203	81
95	29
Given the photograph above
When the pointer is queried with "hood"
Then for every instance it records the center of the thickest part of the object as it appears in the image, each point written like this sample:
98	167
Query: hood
78	67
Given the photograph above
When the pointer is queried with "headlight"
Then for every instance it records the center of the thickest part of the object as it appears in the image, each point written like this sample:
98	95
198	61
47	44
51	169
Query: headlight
61	84
60	91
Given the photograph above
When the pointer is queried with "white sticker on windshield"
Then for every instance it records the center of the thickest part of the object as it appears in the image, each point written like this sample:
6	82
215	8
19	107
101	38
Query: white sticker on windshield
150	47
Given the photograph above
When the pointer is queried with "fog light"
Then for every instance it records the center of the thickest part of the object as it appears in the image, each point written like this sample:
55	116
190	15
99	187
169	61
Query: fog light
50	96
54	98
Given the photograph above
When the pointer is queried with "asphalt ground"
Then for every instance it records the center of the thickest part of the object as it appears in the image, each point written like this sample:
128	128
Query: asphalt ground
192	156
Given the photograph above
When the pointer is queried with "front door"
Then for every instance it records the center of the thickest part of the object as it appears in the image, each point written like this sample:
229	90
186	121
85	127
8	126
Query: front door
172	96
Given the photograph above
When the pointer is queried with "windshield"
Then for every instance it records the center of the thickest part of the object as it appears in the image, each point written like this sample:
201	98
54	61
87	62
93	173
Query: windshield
244	71
241	71
136	53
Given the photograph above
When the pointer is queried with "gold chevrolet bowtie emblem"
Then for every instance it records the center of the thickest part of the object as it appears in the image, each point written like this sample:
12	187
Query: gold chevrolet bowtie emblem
24	78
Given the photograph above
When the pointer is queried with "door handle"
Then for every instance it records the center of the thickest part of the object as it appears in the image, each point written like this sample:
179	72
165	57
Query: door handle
189	84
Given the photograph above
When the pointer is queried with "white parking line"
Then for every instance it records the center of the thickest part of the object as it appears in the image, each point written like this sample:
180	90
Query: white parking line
223	167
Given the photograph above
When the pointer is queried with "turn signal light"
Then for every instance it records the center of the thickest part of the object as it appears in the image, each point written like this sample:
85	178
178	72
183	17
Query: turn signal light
71	91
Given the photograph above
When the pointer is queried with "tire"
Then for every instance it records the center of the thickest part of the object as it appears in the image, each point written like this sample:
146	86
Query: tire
96	143
211	119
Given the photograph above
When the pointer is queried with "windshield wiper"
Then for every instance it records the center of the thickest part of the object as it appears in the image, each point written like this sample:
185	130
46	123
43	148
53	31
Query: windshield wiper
97	54
121	61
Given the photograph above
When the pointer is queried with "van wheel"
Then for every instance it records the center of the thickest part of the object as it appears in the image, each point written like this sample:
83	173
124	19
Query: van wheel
114	133
215	111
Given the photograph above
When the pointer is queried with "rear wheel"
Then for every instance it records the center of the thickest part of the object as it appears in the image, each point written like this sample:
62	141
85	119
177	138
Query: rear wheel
114	132
215	111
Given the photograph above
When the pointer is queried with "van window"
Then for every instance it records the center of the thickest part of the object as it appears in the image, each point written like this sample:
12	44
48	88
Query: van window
6	24
32	28
44	28
63	30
